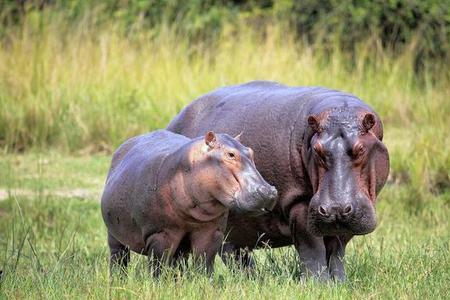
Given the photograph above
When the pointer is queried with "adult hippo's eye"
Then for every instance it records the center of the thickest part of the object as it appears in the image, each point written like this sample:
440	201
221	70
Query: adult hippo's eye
359	150
358	153
319	154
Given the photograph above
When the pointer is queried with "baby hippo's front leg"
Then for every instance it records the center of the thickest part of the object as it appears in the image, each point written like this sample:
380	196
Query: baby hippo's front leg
206	243
160	248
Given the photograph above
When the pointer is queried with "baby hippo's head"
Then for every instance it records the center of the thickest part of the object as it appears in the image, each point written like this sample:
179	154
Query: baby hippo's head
227	172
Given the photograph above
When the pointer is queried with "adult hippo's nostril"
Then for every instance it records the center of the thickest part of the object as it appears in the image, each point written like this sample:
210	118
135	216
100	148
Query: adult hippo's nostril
335	210
347	210
323	211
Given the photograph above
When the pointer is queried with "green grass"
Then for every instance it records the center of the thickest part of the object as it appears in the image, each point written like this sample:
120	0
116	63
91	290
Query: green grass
55	247
53	171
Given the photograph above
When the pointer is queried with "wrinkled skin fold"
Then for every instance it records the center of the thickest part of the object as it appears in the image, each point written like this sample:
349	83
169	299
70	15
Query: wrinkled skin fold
322	149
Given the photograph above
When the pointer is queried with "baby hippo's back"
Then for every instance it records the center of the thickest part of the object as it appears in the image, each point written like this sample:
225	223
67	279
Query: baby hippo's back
132	183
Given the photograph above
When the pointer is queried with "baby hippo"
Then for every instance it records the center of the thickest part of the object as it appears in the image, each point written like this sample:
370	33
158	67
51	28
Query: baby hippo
167	196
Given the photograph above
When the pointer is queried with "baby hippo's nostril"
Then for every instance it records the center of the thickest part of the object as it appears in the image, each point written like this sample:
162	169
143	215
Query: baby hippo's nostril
348	209
268	192
273	193
263	191
323	211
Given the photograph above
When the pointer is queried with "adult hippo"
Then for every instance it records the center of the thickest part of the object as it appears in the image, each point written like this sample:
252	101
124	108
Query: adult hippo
322	149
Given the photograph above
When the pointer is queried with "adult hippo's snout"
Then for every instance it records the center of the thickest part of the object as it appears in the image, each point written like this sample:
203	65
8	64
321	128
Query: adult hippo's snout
356	217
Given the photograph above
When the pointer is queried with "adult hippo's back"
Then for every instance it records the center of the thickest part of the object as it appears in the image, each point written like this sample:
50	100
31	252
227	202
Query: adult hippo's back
322	149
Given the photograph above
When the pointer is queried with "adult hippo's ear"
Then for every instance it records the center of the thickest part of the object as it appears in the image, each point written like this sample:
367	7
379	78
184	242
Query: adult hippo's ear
368	121
210	139
371	123
314	123
378	168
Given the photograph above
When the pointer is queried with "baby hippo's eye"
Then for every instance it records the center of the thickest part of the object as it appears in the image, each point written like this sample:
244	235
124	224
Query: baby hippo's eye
231	155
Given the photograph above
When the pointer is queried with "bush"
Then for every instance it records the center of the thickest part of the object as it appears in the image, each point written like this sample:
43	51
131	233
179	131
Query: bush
423	25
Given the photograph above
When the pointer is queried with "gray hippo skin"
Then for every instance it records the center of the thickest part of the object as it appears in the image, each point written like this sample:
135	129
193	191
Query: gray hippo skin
167	195
322	149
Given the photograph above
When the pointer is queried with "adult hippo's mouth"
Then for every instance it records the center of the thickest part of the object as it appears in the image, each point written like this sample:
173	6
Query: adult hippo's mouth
360	222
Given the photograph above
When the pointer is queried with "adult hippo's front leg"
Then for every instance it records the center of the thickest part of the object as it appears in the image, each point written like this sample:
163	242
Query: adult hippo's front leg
335	251
321	257
311	249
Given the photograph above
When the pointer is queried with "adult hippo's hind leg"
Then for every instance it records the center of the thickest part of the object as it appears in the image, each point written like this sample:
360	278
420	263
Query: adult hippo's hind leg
335	249
119	255
311	249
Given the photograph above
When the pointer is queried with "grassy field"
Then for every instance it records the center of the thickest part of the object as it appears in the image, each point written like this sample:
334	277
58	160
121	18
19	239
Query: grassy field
53	245
71	92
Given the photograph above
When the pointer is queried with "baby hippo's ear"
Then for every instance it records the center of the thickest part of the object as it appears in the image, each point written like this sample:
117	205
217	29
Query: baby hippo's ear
238	137
210	139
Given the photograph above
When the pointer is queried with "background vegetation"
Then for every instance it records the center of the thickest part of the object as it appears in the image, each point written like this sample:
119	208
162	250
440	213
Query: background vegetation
79	77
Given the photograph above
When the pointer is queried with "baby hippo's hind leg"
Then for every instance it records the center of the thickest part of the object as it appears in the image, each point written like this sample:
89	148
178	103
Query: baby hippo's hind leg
119	256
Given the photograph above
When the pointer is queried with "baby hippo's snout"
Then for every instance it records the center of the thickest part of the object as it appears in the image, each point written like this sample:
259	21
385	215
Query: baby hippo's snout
268	195
261	198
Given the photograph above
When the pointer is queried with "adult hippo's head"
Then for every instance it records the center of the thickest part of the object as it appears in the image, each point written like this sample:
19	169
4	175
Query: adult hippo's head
348	165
